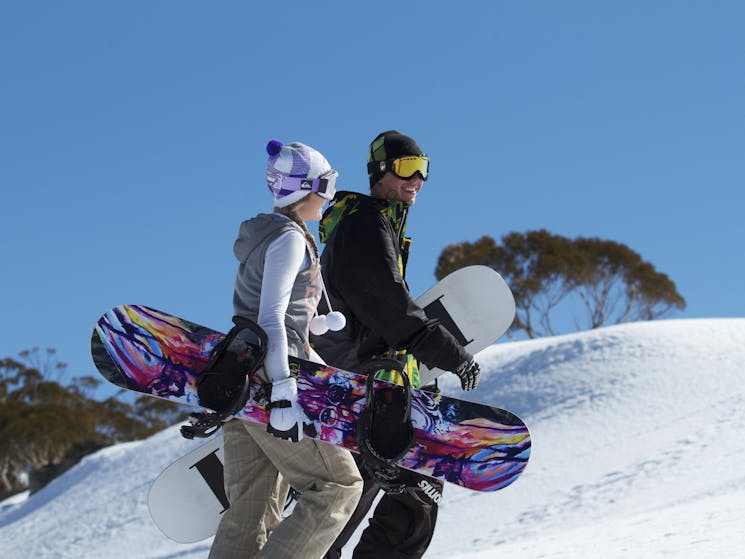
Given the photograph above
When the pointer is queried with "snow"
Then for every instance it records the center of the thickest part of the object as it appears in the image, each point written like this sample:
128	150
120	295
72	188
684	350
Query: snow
638	451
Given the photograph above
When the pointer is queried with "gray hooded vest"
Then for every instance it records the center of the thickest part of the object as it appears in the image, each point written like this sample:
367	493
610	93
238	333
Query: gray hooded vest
254	237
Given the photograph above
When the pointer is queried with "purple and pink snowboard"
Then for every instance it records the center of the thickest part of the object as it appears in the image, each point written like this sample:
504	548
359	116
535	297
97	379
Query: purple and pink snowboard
465	443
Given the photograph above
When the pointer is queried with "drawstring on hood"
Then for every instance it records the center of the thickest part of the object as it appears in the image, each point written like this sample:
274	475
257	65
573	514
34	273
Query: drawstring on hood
333	321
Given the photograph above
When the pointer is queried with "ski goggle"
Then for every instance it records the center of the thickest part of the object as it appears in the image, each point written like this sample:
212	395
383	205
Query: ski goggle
402	167
281	185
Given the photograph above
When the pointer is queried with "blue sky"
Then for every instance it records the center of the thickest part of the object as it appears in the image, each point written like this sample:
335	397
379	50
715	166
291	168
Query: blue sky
132	139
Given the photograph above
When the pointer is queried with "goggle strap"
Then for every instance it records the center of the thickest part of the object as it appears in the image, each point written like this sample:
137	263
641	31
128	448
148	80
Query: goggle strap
319	185
376	166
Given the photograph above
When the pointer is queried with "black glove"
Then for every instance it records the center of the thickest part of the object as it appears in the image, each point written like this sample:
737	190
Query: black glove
468	373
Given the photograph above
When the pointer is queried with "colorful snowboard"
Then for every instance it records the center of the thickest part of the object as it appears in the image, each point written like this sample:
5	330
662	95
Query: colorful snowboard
472	445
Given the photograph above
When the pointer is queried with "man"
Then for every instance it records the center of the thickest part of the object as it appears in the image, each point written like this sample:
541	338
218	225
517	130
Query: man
363	263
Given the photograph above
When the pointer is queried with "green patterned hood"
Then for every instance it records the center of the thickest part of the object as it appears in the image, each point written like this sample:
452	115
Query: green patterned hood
346	203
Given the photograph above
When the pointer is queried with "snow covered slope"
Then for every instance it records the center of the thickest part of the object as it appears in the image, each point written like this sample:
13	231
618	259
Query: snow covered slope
638	451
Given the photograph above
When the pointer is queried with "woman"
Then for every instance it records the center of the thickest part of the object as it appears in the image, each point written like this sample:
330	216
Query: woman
278	285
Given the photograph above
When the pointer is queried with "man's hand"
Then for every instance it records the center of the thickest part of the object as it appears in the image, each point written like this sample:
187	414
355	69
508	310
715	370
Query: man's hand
468	373
286	418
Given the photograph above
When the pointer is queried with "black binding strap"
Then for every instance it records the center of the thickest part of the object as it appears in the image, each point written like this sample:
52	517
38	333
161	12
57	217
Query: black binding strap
384	430
225	383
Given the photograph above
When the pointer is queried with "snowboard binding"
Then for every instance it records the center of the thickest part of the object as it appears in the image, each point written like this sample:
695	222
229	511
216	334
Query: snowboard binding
384	430
224	385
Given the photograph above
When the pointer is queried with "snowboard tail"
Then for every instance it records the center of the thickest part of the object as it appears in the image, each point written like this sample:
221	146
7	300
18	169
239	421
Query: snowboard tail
152	352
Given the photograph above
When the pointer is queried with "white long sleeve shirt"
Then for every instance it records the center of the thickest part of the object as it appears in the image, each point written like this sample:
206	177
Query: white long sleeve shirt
286	256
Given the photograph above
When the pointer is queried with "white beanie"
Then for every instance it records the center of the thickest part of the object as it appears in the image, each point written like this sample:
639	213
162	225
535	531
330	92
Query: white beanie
293	160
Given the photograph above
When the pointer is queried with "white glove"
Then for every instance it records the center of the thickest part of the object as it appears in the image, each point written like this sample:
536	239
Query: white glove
286	418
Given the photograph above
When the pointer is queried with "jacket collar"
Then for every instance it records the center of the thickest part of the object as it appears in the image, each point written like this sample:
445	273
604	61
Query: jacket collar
346	203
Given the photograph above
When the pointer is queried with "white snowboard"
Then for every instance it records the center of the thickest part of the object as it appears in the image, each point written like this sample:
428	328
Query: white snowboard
475	304
187	500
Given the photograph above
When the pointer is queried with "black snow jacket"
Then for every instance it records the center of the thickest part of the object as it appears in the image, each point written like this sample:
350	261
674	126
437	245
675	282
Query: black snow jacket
363	266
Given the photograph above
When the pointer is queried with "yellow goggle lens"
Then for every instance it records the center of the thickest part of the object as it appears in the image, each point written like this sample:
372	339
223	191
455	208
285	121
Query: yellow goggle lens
407	167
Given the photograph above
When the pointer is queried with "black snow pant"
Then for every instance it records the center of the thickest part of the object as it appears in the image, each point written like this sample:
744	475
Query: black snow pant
402	524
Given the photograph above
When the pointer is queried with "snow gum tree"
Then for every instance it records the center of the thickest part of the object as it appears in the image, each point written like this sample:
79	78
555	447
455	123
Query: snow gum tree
607	281
47	425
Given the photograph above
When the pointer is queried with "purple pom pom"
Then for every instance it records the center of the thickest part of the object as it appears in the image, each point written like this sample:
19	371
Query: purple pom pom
273	147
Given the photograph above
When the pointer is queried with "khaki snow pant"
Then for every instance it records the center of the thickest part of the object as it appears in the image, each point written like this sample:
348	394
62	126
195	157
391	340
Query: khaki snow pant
258	469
